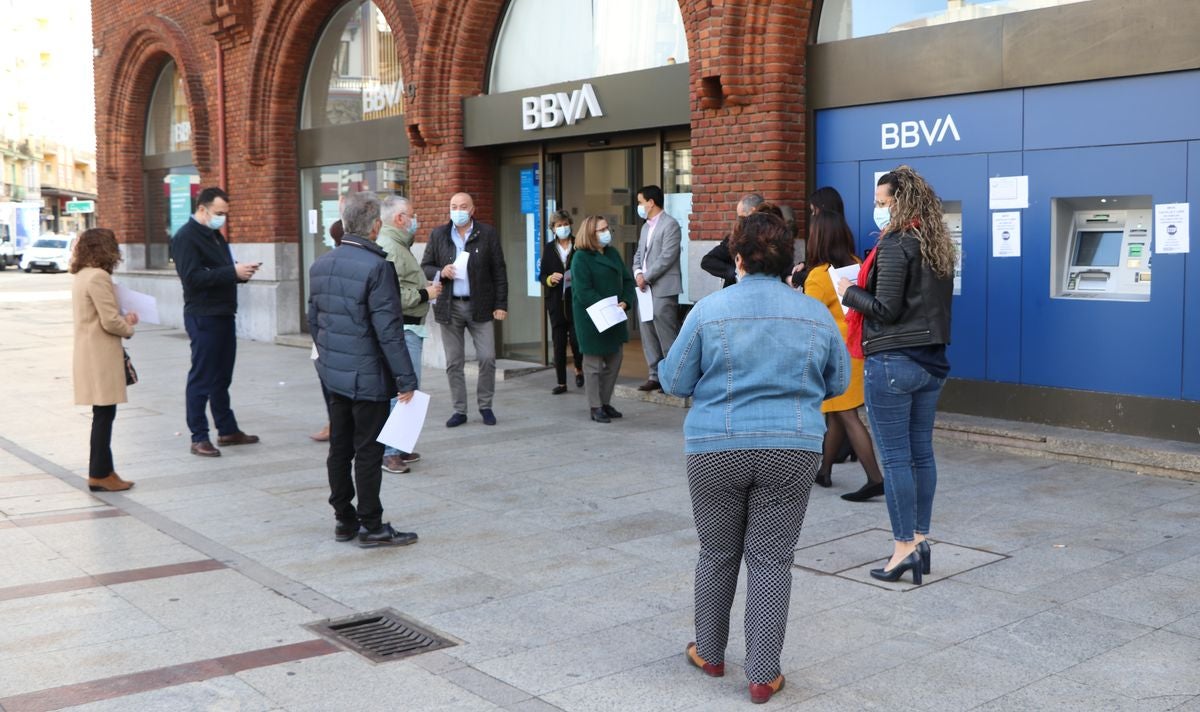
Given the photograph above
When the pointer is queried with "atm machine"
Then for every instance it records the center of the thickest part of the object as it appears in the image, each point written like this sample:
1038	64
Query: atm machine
1102	252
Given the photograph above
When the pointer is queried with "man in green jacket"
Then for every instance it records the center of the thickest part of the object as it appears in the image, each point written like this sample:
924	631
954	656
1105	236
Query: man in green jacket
396	239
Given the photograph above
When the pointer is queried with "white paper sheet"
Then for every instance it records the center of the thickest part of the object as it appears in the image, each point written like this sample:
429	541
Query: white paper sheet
606	314
144	305
313	222
849	272
460	265
314	355
1171	234
403	426
645	303
1006	234
1008	193
566	280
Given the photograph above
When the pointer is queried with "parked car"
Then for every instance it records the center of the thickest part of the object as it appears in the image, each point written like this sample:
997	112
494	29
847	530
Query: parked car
49	253
8	250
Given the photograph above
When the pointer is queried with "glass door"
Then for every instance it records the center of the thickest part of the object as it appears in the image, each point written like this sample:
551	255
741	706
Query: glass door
522	229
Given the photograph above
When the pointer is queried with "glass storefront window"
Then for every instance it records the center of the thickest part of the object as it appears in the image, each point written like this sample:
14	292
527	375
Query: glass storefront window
355	72
168	126
845	19
322	187
170	183
548	41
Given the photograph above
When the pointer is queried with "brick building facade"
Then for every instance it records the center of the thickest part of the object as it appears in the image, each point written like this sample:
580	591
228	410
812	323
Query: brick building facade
243	65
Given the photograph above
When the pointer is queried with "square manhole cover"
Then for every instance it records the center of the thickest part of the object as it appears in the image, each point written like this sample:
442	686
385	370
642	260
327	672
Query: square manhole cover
382	635
853	556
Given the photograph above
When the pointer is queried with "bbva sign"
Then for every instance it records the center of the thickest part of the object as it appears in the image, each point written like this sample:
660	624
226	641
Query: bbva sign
910	134
550	110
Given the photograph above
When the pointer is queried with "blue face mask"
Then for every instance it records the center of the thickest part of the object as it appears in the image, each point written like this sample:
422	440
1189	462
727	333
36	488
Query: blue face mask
562	232
216	222
460	217
412	225
642	211
604	237
883	217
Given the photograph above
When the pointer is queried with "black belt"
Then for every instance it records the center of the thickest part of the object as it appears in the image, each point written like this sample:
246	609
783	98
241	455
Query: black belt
462	299
413	319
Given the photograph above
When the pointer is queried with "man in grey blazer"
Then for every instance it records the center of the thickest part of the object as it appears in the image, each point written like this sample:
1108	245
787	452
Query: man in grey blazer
656	266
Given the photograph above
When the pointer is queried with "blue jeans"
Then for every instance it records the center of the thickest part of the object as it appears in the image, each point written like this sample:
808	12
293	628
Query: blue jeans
901	401
414	344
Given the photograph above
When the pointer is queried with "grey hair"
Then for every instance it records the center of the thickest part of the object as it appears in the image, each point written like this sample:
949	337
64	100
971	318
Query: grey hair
750	201
392	206
359	213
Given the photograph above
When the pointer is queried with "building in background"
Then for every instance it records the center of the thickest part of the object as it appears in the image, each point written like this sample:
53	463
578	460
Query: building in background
538	105
47	132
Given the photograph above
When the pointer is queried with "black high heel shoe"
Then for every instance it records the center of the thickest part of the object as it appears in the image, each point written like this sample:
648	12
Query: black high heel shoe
864	493
912	562
923	551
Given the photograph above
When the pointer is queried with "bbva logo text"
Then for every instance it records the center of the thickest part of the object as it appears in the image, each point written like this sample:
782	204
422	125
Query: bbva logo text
908	134
550	110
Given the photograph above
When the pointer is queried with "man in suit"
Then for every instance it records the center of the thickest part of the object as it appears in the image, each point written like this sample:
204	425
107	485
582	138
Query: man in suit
656	267
470	302
210	278
718	262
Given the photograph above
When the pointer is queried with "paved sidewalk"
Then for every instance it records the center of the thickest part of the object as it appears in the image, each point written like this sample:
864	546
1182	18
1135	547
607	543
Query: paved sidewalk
558	552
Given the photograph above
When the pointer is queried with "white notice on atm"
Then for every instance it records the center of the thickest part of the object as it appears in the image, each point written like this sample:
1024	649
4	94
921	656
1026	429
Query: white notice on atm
1171	229
1008	193
1006	234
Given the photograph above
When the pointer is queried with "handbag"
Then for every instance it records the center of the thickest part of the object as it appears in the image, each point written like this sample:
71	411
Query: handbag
130	372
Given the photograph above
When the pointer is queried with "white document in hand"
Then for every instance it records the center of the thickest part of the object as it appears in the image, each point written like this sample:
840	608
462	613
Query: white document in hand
606	313
849	272
645	304
144	305
460	266
403	426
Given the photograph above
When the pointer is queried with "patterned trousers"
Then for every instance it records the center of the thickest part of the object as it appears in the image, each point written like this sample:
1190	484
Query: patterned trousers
748	503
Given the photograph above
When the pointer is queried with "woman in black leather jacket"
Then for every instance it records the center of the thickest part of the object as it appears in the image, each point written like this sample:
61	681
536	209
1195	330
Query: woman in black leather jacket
901	310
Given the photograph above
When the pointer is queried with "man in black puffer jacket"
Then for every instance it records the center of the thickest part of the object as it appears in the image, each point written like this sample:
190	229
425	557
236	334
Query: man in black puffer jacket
355	320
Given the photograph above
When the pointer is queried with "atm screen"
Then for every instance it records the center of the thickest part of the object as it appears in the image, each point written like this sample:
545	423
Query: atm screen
1098	249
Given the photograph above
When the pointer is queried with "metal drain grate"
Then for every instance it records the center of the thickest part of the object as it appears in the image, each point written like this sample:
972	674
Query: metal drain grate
381	635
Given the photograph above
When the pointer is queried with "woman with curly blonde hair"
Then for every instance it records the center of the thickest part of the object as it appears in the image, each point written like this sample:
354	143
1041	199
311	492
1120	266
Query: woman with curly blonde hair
901	323
99	357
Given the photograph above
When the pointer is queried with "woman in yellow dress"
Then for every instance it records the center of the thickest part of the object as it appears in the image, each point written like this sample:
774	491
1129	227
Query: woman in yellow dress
831	245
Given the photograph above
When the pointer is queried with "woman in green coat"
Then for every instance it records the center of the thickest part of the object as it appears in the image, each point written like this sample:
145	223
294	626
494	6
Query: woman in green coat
597	272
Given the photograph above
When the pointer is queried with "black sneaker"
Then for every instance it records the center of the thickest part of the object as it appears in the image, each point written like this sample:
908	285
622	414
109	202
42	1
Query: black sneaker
489	418
385	535
345	531
611	411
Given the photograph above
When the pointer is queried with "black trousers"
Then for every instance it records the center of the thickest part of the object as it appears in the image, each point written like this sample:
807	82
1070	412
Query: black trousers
100	463
353	427
561	334
214	349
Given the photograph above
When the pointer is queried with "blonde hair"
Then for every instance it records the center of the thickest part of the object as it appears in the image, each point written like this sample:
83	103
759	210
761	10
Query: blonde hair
586	238
918	211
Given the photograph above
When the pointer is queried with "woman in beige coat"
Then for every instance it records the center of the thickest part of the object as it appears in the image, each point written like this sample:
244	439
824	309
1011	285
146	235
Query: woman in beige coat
99	356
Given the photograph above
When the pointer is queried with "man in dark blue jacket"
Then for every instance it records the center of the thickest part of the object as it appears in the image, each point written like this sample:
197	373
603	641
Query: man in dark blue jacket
210	278
356	323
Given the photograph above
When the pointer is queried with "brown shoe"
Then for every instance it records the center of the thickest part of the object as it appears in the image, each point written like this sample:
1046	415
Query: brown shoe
710	669
395	464
322	435
205	448
760	692
112	483
238	438
650	385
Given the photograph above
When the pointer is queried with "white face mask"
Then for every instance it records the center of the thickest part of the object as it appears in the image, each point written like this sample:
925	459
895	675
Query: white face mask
642	210
604	237
562	232
883	217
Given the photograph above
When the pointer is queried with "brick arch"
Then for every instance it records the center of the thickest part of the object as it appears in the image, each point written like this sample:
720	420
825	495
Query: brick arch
280	55
122	111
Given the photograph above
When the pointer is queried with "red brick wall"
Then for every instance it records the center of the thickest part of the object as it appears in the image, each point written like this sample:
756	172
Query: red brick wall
747	76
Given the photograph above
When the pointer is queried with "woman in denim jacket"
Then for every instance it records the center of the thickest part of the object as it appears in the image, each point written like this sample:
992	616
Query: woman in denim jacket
757	359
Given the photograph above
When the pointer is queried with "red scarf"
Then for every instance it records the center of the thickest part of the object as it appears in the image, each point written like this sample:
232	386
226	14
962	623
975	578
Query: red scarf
854	318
